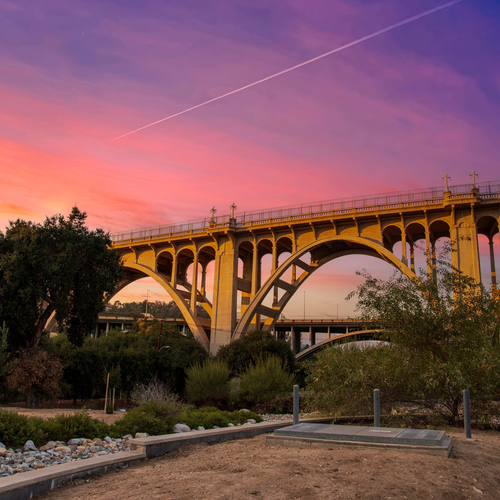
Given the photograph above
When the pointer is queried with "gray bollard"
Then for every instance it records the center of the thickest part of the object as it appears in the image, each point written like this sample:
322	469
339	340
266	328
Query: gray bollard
467	422
295	404
376	408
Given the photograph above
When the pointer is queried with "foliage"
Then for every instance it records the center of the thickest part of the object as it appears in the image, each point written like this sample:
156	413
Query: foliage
36	374
158	309
4	356
209	416
16	429
81	424
255	345
265	380
443	331
154	418
58	267
209	380
133	355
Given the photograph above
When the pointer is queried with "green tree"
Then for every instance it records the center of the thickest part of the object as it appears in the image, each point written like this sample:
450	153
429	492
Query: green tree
59	267
255	346
443	331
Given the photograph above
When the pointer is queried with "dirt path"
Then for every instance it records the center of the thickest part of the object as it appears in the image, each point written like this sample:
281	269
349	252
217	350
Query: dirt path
250	469
51	413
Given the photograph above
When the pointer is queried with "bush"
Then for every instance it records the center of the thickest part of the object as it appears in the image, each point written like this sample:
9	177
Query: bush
209	380
16	429
154	418
209	416
255	345
81	424
266	380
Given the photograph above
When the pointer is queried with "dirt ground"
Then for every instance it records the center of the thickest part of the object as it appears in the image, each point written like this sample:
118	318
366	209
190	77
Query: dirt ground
51	413
250	469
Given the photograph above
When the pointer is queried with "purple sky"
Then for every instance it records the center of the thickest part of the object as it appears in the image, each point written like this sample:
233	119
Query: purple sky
396	112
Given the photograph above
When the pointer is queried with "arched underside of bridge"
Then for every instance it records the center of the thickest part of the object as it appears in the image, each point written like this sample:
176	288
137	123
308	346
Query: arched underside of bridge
339	339
134	272
322	251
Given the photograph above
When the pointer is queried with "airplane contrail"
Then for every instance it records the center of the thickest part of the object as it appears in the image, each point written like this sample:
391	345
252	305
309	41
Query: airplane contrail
338	49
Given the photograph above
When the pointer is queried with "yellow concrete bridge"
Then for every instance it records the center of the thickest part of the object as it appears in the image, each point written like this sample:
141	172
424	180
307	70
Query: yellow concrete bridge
313	235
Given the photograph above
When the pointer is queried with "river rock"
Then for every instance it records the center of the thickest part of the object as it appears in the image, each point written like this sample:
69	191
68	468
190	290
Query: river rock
29	445
108	439
201	428
244	410
98	442
77	441
62	449
230	424
181	428
48	446
251	421
2	445
3	451
40	465
141	435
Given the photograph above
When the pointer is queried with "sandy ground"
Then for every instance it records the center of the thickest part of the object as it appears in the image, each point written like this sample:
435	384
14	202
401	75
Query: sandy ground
250	469
51	413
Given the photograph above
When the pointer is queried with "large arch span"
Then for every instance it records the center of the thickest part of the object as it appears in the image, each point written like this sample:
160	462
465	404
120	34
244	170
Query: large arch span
319	257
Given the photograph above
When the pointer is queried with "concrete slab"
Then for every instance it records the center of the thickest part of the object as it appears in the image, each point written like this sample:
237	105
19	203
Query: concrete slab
421	439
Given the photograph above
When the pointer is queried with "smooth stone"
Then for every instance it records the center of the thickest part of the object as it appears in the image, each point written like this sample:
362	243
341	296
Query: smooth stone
48	446
98	442
77	441
245	410
109	440
29	445
3	452
62	449
40	465
201	428
251	421
215	427
81	448
2	445
140	435
181	428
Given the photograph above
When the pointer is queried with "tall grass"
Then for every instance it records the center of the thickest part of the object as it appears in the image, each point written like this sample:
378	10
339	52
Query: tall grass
209	380
265	380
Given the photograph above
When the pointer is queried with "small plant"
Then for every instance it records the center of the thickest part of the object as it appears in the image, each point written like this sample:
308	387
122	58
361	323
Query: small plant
265	380
16	429
209	380
209	416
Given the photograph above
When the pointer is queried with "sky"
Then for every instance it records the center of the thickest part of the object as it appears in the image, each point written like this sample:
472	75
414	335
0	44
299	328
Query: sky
393	113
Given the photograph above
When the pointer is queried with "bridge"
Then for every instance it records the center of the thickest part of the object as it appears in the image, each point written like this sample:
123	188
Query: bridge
312	235
298	330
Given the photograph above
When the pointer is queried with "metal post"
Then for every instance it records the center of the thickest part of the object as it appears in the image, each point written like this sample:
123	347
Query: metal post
295	404
376	408
467	422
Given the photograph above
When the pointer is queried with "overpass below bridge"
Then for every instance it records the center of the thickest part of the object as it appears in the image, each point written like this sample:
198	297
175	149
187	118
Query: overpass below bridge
300	240
300	332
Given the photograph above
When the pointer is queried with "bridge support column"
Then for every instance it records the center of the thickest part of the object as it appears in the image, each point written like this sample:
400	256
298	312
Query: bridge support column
296	340
224	301
493	268
467	248
194	284
312	336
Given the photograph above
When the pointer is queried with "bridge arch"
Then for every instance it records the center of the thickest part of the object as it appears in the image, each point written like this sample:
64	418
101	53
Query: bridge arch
135	271
322	251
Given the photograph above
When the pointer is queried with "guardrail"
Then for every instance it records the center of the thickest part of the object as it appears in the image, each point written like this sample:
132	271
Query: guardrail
426	197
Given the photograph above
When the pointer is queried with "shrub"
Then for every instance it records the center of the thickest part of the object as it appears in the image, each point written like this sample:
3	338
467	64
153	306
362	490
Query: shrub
209	416
209	380
81	424
255	345
154	418
16	429
37	374
266	380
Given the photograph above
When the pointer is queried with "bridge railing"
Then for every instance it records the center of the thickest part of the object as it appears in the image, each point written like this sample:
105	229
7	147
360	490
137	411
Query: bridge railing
489	189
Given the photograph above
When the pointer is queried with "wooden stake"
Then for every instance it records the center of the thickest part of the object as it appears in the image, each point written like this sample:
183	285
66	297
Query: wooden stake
106	397
114	399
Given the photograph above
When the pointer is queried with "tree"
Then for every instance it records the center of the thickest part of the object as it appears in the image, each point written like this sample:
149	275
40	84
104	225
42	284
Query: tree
59	267
255	346
443	331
